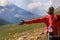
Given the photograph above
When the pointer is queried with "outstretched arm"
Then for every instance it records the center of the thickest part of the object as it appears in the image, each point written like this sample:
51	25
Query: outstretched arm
37	20
33	21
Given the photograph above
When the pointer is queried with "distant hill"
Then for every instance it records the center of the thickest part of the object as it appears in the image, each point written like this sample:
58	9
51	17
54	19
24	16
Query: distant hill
57	10
3	22
14	14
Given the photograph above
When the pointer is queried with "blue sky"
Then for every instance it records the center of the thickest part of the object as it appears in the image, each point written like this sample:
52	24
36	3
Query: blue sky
35	6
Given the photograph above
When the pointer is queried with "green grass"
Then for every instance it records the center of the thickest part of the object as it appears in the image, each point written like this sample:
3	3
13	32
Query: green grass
7	31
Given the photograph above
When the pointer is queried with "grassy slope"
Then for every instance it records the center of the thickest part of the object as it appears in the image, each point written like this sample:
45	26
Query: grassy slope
8	31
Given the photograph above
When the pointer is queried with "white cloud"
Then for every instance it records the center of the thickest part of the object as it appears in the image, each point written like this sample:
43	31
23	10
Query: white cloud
3	2
18	16
56	0
34	5
10	0
48	4
56	3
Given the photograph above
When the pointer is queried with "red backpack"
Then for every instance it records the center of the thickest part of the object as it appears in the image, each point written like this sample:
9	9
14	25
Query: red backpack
56	25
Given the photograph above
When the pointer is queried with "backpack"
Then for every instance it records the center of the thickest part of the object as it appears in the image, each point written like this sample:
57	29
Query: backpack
56	25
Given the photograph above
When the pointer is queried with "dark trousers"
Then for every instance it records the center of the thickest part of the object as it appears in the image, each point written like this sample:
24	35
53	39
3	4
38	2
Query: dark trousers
50	36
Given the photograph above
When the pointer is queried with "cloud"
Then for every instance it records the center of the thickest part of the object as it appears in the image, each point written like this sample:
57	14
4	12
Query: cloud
18	16
10	0
3	2
56	0
47	5
56	3
34	5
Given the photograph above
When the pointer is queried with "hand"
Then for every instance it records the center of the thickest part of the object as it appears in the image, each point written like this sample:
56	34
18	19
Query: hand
21	22
42	33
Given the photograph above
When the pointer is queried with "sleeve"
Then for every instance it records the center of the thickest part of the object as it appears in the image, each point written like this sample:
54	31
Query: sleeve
38	20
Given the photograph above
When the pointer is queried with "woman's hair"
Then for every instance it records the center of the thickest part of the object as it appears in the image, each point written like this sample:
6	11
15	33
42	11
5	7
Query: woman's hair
51	10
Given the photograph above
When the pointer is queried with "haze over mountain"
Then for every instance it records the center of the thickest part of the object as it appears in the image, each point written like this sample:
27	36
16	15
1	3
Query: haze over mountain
3	22
13	14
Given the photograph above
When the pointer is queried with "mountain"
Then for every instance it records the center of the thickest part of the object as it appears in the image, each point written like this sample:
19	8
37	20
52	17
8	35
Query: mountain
57	9
13	14
3	22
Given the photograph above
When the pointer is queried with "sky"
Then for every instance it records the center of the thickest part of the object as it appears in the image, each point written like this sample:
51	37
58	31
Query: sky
37	7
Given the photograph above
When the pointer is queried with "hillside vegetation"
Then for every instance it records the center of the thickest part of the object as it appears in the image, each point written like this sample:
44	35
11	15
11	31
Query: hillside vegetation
14	32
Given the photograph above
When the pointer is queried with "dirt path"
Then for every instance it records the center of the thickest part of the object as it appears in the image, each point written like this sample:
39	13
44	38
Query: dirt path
30	35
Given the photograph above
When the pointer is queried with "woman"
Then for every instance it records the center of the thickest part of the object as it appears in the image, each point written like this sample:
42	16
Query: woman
49	22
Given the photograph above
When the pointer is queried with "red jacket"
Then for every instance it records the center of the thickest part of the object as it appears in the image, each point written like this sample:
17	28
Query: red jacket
46	19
